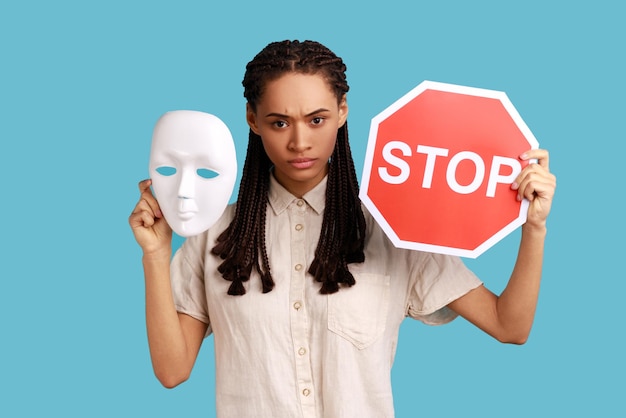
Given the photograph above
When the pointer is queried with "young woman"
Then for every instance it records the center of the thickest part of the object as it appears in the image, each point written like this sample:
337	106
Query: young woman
302	290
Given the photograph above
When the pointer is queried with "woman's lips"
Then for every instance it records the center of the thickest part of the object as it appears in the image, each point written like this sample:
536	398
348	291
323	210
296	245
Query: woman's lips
302	163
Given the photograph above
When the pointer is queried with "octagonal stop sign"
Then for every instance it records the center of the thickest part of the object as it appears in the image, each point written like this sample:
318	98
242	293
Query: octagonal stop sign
439	166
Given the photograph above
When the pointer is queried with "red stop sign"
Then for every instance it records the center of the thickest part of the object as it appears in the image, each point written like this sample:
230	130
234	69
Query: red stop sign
439	165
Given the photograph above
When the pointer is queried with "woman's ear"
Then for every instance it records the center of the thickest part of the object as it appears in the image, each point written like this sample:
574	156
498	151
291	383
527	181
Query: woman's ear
251	119
343	110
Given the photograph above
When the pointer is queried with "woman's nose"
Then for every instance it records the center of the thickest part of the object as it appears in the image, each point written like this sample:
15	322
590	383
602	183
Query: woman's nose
299	140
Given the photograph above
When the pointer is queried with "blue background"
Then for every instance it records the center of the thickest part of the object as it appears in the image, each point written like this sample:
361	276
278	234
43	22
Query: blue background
82	84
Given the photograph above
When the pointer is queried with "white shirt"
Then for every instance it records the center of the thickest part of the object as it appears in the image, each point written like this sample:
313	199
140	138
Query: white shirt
294	352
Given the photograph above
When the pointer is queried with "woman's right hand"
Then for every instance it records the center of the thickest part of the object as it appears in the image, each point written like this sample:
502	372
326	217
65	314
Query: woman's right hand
151	231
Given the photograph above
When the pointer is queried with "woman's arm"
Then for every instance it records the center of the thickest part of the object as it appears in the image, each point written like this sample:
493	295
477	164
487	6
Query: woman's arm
174	338
509	317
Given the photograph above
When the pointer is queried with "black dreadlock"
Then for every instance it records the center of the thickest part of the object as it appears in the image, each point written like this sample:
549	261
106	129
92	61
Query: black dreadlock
242	244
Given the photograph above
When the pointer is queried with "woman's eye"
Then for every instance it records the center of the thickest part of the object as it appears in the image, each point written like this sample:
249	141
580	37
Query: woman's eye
166	170
205	173
280	124
317	121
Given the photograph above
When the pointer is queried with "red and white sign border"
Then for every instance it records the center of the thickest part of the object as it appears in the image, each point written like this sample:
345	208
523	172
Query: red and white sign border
369	158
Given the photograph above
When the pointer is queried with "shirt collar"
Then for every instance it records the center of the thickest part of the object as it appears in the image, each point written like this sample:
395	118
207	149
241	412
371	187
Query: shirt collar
280	198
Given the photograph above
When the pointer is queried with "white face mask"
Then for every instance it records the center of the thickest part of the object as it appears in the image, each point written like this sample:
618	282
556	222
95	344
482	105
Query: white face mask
193	167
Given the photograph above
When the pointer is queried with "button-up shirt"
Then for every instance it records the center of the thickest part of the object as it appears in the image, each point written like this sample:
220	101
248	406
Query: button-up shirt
294	352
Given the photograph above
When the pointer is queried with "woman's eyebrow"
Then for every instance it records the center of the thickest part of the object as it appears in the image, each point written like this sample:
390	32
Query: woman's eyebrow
315	112
280	115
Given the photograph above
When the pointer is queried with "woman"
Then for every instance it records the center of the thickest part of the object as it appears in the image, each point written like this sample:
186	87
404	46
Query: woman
301	289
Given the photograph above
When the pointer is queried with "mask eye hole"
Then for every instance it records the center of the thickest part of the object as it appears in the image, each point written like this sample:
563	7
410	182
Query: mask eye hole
166	171
205	173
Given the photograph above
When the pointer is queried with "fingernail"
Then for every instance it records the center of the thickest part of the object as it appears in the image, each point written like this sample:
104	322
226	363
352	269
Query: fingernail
524	156
514	186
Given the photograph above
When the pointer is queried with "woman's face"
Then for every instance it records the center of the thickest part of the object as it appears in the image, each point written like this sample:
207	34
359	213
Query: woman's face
297	119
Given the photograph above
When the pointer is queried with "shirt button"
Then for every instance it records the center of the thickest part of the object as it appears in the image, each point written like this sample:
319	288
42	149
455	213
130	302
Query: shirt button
300	202
298	267
302	351
297	305
299	227
306	392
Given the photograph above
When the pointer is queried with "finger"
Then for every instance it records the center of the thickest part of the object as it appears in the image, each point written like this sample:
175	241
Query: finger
147	219
146	194
524	179
541	166
144	185
141	219
541	155
537	171
143	206
536	182
142	215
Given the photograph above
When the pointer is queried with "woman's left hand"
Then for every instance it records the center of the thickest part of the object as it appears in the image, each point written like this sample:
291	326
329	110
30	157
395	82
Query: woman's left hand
537	184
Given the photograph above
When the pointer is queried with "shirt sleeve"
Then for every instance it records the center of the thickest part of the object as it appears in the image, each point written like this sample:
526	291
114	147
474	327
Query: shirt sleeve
438	280
187	279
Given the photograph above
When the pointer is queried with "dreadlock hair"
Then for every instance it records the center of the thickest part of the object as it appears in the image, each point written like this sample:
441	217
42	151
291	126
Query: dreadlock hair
242	244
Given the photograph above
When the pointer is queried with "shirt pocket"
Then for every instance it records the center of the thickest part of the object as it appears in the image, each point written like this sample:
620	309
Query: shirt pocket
359	313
